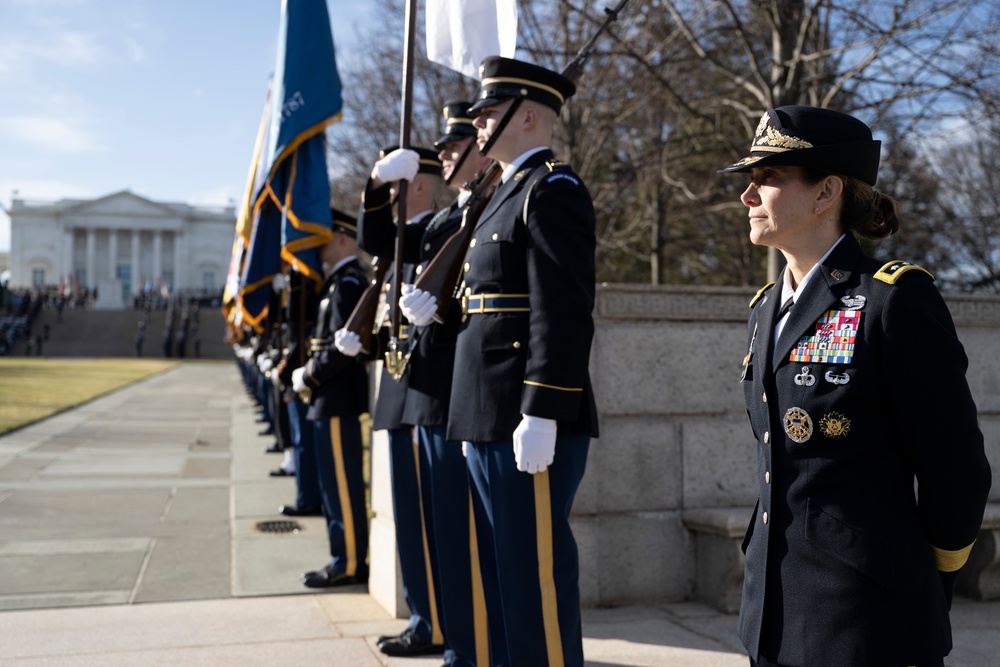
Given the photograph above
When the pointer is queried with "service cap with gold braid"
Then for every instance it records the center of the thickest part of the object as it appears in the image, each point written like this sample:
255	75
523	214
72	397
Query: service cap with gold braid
343	223
458	123
430	163
803	136
506	78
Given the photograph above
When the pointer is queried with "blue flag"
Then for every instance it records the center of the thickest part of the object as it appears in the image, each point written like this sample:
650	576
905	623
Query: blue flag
285	215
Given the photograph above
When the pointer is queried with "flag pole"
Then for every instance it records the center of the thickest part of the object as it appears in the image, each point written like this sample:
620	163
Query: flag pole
395	357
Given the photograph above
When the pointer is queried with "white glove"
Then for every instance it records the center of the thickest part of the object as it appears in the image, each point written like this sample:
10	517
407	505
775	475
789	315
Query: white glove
279	281
347	342
417	305
298	379
265	364
535	443
465	448
402	163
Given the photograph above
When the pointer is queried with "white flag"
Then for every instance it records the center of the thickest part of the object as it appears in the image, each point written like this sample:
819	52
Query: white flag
461	33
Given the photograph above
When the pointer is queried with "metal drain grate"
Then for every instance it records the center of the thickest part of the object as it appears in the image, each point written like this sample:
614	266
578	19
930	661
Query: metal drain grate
282	526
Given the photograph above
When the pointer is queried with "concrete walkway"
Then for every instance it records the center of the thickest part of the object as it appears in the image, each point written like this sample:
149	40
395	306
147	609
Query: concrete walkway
129	536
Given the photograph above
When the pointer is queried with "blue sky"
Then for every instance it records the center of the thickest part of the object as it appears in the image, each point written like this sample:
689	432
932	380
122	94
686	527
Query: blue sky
160	97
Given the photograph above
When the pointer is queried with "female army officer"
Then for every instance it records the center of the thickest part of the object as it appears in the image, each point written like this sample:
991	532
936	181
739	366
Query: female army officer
871	468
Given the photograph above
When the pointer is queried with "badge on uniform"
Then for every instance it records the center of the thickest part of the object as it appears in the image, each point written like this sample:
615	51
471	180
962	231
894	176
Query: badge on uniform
854	302
833	340
798	425
834	425
805	378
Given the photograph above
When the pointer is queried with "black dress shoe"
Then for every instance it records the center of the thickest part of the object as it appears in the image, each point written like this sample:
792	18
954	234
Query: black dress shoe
274	449
385	638
266	431
407	645
329	578
281	472
295	510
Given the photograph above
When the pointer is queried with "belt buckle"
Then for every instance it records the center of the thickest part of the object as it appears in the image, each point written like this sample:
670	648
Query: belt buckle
465	304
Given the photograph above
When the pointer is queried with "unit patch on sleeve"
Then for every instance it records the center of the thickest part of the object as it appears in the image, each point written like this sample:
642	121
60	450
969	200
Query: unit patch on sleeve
833	340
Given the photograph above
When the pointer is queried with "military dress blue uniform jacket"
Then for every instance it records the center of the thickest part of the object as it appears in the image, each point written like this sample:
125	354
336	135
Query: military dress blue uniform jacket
533	362
848	562
420	397
339	384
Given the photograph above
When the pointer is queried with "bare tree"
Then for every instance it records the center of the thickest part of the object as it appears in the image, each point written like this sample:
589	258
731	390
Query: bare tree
675	91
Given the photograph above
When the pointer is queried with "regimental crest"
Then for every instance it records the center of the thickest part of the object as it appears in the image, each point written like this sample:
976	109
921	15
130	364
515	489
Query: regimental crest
798	425
835	425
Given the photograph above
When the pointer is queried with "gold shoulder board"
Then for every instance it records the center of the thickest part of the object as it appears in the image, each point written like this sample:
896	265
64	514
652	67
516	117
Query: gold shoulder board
891	271
760	293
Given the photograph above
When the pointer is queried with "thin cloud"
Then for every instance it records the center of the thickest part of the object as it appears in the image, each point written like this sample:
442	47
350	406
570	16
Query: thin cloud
51	134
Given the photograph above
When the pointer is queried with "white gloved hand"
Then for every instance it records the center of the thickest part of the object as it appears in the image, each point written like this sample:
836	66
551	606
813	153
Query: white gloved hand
535	443
298	379
402	163
347	342
279	281
264	363
417	305
465	448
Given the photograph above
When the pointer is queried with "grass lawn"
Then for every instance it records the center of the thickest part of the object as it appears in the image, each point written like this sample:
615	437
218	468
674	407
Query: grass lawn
33	389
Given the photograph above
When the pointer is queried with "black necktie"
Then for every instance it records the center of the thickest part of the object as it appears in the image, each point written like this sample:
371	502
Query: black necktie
785	307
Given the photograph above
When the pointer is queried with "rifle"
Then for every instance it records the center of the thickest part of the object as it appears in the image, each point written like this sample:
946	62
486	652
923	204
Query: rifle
440	277
362	319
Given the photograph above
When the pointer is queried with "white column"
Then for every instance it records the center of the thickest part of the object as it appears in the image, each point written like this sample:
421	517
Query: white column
67	268
112	253
180	279
136	286
91	249
157	256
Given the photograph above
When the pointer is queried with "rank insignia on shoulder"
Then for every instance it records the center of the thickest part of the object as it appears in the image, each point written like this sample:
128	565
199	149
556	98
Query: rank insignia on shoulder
835	425
892	271
759	294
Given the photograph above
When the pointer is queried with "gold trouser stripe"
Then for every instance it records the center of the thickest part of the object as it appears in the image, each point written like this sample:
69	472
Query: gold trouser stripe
478	596
344	493
552	386
437	637
951	561
546	579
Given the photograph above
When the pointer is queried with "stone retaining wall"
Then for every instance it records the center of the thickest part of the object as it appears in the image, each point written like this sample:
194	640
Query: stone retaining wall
670	482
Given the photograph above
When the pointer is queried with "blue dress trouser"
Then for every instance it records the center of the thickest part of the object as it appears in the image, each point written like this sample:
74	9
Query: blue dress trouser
463	609
536	576
306	480
339	469
411	502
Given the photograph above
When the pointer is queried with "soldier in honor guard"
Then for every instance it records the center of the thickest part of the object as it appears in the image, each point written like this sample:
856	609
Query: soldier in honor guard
521	400
446	489
337	390
302	303
408	466
871	469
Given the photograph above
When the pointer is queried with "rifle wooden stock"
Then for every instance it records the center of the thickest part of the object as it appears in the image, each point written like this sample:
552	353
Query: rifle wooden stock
440	276
362	319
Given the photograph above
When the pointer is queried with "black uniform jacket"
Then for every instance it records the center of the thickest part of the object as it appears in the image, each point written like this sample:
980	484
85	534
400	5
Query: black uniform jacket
843	551
536	363
301	315
377	236
339	383
432	346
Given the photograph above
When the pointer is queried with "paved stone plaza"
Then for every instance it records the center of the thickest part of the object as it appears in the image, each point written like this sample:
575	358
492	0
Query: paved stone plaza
128	536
